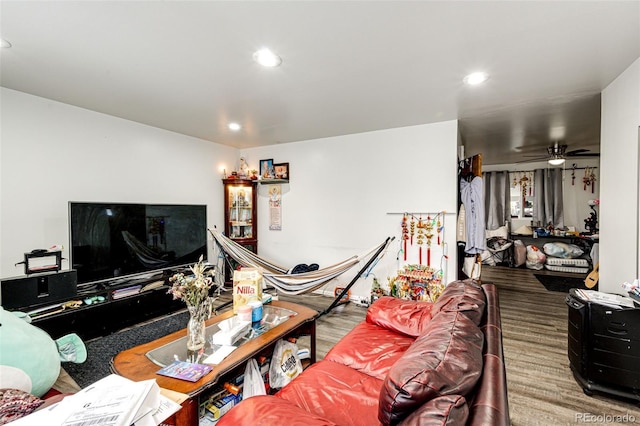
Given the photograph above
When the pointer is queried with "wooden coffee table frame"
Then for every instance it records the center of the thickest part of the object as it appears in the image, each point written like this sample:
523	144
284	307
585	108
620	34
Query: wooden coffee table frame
134	364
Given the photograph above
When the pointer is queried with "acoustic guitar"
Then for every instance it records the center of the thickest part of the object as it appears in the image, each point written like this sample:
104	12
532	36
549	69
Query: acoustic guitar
593	277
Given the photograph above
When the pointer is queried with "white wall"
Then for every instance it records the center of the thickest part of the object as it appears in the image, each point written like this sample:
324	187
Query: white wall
619	227
575	198
342	189
52	153
335	206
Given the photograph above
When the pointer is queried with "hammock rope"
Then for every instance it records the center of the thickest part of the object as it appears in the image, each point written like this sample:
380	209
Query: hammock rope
277	275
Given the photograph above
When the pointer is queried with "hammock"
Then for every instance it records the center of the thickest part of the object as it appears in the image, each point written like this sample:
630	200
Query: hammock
277	275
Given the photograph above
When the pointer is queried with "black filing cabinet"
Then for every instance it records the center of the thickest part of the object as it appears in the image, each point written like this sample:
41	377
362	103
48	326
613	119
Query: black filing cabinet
604	347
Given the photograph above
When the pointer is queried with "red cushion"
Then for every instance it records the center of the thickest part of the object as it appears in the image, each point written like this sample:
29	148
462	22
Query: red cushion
448	410
335	392
267	410
402	316
446	360
370	349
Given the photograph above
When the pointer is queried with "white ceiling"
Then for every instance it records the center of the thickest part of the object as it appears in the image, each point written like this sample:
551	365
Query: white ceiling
348	67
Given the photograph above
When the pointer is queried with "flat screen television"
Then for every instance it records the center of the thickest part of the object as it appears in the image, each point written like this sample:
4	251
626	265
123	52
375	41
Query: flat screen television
117	240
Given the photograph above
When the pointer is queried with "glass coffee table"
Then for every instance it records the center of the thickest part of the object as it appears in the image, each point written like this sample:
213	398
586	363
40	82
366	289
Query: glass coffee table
281	320
177	350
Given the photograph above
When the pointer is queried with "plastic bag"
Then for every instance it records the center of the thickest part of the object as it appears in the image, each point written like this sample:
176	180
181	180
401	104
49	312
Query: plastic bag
253	383
535	258
285	364
564	250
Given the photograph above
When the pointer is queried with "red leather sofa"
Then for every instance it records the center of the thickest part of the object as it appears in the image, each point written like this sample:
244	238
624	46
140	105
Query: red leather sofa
407	363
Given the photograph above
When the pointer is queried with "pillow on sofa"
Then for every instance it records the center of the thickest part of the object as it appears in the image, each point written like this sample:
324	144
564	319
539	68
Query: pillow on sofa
408	317
462	296
448	410
445	360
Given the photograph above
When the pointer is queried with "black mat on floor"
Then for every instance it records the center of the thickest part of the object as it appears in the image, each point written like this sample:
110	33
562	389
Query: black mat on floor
100	351
560	283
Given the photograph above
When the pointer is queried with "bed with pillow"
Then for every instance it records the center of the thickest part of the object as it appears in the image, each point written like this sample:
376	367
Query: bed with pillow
564	257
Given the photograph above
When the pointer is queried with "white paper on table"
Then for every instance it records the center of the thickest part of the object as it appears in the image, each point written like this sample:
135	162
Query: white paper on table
221	353
112	401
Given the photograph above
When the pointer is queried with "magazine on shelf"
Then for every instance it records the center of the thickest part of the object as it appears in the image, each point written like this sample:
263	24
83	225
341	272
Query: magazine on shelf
185	370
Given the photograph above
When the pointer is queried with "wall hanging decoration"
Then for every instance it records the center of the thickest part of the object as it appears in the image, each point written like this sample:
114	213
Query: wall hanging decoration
420	239
405	235
424	230
275	208
418	281
429	235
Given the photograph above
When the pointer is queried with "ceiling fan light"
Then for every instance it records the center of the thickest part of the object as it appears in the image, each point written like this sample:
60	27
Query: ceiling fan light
475	78
556	161
267	58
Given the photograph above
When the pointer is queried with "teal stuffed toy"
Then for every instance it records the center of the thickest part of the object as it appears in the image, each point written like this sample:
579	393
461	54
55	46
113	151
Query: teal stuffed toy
29	357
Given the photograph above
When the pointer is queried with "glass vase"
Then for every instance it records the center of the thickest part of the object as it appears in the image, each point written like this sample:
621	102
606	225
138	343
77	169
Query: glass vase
196	328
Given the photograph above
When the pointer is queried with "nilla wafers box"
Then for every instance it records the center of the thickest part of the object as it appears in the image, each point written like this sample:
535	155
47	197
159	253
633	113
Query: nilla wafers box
247	286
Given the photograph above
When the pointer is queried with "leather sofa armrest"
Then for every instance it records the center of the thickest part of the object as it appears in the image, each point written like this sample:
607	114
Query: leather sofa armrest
448	410
408	317
490	404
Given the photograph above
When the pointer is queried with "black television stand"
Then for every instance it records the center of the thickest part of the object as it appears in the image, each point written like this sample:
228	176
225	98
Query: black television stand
104	308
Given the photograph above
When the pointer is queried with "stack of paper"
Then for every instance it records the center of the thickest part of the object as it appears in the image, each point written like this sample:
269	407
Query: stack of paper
605	299
112	401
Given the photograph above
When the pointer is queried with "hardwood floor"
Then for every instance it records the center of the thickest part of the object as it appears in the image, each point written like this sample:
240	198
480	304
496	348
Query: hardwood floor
541	388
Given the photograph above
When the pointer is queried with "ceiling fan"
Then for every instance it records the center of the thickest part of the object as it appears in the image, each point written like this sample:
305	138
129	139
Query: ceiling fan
556	154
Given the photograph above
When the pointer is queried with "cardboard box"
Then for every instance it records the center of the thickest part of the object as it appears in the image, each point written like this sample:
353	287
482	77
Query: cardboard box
247	286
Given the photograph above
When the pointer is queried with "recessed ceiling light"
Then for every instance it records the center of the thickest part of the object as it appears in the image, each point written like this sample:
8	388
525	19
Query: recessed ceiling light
5	43
267	58
234	126
476	78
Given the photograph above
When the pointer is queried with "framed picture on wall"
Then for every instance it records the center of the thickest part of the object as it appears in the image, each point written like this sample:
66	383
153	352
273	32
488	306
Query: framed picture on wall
266	169
281	170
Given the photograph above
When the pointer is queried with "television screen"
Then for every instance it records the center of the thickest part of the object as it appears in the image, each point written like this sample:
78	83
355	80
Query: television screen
113	240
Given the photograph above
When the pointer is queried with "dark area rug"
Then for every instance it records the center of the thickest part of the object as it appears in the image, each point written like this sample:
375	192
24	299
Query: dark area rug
560	283
100	351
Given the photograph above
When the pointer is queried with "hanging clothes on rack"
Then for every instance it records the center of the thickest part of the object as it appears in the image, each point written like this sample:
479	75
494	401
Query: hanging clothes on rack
472	199
471	195
471	216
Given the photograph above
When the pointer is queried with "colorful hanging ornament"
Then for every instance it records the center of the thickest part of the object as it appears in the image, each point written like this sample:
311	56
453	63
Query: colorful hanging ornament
420	239
573	174
592	180
412	228
585	179
429	235
438	228
524	181
405	235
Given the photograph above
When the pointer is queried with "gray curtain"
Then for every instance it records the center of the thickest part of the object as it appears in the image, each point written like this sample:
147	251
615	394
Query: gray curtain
497	199
548	208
